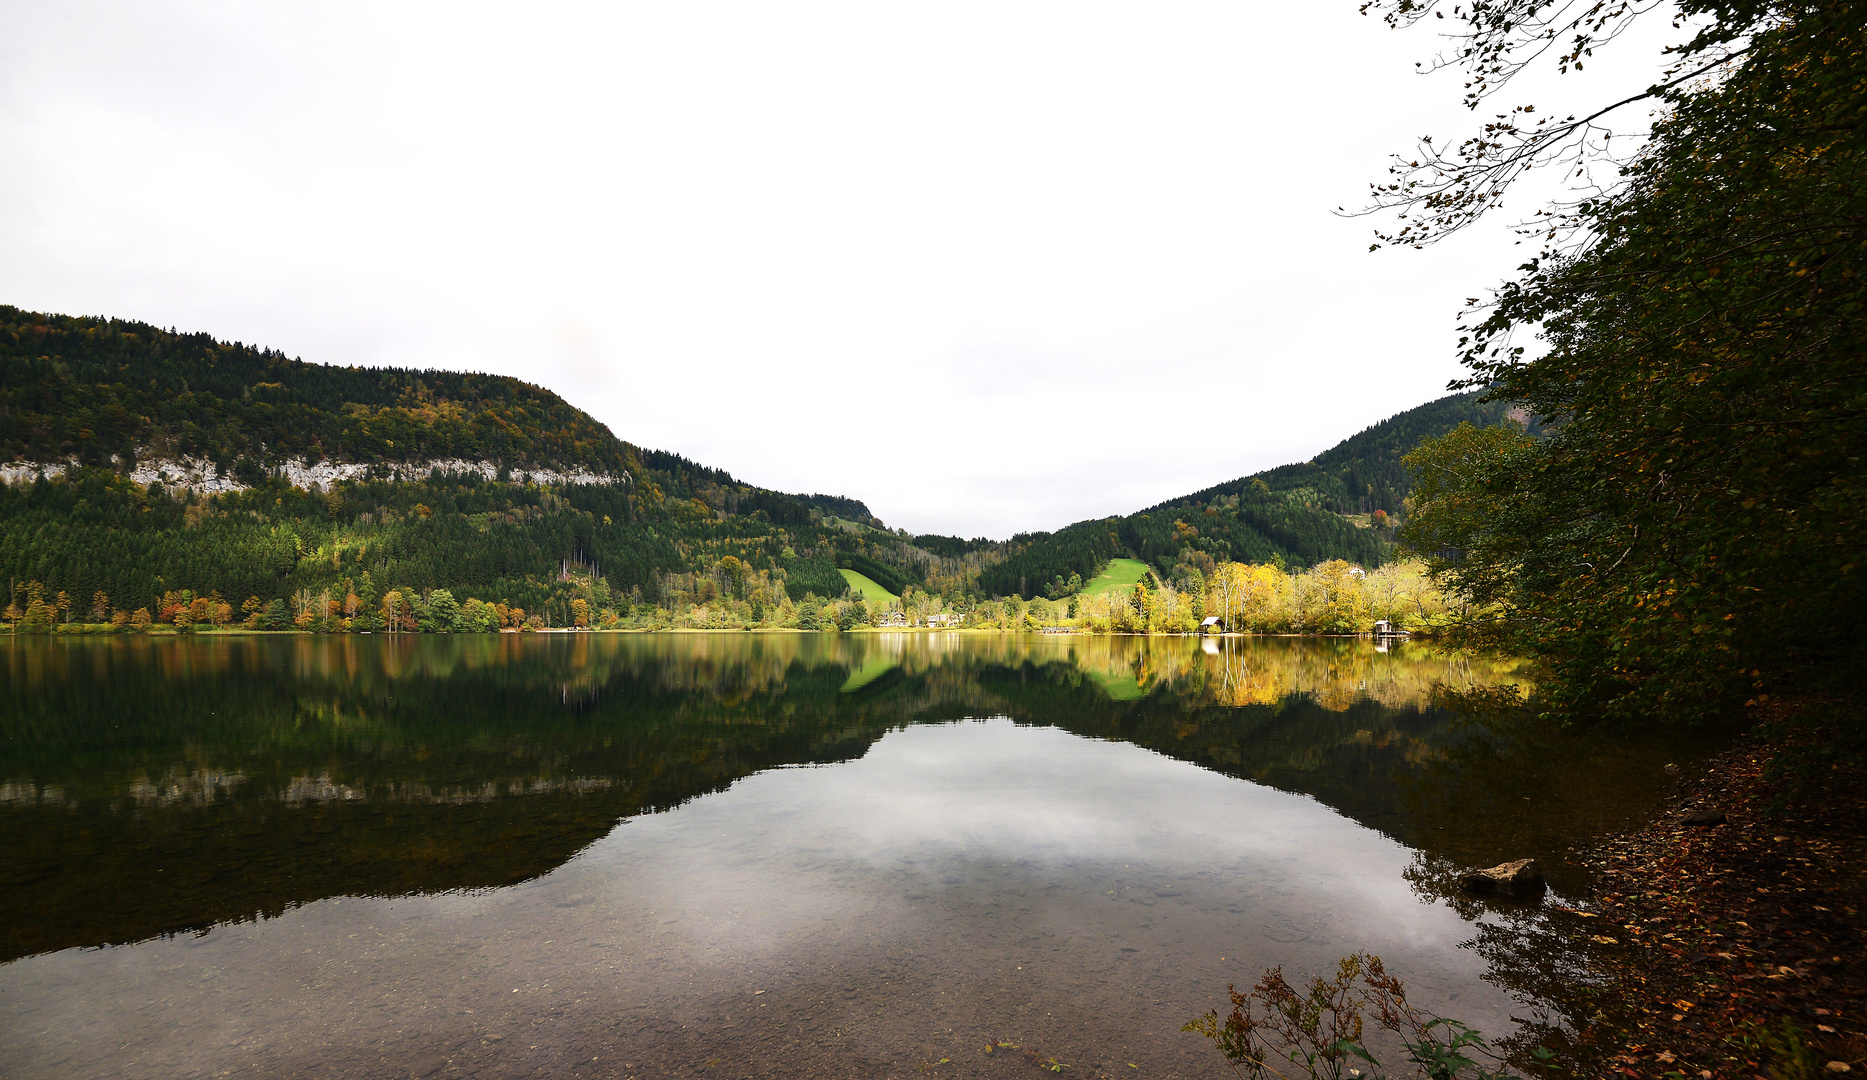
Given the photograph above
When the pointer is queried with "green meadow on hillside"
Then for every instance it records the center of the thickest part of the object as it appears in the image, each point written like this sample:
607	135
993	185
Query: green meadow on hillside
1117	574
871	592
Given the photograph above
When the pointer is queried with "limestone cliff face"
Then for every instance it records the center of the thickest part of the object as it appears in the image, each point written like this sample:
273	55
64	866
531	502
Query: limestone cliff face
200	475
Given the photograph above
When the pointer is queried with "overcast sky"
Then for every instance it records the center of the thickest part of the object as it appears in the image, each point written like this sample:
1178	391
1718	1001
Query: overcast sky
988	267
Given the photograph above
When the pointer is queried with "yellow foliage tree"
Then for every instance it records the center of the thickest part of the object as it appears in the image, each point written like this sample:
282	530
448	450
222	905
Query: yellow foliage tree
1331	600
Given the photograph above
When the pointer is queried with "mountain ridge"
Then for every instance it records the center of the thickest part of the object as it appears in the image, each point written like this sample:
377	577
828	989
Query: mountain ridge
1299	513
1369	460
104	392
141	463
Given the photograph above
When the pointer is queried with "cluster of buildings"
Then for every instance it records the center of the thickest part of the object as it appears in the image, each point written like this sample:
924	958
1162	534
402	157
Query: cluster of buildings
940	621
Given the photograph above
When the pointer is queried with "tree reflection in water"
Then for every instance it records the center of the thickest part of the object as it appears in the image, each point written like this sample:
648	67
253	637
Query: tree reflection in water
155	785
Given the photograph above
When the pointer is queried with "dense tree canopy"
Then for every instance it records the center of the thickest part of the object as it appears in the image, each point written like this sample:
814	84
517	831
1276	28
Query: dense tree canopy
98	389
1686	533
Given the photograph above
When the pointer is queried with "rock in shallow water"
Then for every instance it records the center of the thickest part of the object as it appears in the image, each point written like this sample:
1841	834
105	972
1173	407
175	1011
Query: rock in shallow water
1520	879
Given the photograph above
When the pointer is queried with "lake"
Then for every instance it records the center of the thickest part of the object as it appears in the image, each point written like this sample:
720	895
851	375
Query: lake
724	855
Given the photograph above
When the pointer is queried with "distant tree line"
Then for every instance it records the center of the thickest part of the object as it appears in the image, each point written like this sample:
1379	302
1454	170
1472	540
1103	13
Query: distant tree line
952	547
840	507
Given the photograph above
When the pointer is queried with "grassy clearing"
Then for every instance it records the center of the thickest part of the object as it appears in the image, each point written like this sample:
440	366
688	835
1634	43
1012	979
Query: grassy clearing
849	526
1118	574
870	591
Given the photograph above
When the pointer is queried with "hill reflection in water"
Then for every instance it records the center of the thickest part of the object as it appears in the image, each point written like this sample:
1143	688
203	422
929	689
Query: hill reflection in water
225	778
1078	839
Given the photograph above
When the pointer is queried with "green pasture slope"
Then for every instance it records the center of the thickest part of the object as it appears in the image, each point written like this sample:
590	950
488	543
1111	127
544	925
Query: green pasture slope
1118	574
871	592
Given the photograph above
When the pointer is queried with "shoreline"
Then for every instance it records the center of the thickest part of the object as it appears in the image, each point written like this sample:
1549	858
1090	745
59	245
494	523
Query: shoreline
87	630
1719	934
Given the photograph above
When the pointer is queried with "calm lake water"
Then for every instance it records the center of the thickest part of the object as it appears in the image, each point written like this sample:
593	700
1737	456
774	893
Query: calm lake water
751	855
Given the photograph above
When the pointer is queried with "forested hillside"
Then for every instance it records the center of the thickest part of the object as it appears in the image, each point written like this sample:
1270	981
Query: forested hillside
449	502
106	391
1291	515
1364	472
352	497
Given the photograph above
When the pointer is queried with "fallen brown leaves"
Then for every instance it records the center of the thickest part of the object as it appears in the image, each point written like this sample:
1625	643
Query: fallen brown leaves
1730	927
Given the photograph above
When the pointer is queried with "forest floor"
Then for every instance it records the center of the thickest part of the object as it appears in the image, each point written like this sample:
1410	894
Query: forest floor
1737	948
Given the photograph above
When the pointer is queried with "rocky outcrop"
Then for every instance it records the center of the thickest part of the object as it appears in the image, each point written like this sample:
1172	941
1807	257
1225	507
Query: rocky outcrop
202	476
1520	880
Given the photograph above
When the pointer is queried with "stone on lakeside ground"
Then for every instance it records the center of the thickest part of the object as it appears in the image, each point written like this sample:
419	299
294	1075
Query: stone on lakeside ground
1520	879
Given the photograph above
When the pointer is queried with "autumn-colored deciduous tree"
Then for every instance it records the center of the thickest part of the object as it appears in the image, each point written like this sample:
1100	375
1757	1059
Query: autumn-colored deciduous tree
732	574
37	618
1403	594
1170	611
1262	590
1331	600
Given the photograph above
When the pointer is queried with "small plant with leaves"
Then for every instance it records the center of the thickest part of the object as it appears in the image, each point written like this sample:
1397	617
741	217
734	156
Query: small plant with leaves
1278	1030
1783	1049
